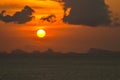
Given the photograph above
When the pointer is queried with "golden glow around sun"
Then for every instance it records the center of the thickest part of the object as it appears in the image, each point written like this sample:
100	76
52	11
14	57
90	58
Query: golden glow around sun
41	33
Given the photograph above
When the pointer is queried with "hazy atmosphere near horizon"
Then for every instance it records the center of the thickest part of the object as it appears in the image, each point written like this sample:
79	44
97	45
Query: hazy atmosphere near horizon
68	25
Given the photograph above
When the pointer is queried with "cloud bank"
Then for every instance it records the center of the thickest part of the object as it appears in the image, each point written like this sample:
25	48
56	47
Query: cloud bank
87	12
20	17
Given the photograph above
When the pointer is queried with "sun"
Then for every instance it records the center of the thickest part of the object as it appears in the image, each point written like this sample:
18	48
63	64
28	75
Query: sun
41	33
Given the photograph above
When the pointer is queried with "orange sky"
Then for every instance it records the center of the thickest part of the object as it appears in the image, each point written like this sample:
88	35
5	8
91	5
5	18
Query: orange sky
60	36
114	5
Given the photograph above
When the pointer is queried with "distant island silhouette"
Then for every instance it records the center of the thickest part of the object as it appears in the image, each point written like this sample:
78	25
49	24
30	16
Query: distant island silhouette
96	64
91	51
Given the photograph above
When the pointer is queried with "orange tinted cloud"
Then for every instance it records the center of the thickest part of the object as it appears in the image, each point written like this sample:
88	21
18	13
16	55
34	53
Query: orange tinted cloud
41	7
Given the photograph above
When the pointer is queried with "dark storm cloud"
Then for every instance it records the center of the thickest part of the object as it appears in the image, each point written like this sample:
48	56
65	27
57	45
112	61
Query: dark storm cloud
51	18
20	17
87	12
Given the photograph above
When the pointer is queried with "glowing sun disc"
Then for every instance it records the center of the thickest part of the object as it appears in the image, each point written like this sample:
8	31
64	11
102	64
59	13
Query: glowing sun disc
41	33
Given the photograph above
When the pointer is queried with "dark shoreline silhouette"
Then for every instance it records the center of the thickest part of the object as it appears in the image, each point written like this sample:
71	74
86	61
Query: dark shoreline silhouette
91	51
97	64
